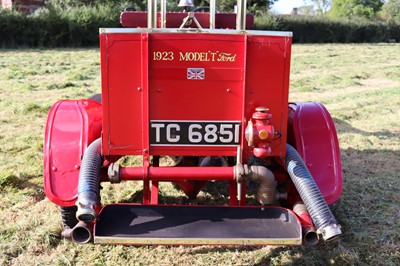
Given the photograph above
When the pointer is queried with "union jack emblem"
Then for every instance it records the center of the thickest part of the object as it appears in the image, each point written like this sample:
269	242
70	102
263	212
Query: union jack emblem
195	73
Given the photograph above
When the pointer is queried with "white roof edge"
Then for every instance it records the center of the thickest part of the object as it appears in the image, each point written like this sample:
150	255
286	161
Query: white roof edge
186	30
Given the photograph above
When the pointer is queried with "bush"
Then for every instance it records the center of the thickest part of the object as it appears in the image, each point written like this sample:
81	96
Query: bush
77	26
317	29
13	26
267	21
55	27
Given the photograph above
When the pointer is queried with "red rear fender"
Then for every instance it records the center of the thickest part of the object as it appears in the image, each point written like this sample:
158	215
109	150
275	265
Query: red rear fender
312	132
71	126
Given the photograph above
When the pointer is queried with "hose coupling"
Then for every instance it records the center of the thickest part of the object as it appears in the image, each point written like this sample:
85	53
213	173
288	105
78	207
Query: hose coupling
86	207
330	232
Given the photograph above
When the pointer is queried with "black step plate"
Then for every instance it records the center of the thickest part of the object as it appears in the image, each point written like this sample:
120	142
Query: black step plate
196	225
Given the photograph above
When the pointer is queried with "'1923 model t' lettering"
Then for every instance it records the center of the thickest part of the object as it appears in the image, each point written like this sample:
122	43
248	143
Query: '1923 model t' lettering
208	56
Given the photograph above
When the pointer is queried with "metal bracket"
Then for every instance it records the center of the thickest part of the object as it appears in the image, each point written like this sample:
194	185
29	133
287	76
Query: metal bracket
240	172
188	21
113	173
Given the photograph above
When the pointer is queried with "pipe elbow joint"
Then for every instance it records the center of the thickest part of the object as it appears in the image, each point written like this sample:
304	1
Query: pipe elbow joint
266	194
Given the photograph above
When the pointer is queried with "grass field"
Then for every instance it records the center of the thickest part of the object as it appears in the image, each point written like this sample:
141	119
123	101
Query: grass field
360	86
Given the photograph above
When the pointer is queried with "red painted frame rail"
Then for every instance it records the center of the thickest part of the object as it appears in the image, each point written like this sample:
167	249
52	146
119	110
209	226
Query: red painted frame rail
178	173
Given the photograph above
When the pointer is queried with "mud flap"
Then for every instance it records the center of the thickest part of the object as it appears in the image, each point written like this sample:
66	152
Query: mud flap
196	225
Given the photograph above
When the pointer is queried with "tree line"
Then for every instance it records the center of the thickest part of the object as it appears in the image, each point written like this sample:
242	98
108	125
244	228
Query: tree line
385	10
380	10
75	23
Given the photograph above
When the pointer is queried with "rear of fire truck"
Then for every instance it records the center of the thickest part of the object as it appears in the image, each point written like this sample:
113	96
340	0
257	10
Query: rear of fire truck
215	99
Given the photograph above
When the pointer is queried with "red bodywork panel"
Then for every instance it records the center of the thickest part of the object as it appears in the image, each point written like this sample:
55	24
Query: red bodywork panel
71	127
133	19
312	132
169	93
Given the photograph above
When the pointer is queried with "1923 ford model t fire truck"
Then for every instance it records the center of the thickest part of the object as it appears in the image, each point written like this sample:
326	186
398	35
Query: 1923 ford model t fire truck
215	98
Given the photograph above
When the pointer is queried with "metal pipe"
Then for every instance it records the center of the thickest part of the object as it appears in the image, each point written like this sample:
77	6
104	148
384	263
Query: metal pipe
66	232
212	14
241	15
177	173
163	8
310	236
82	233
152	14
266	193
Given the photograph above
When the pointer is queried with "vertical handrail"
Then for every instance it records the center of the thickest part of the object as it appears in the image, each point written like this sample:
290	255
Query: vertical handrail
212	14
163	14
241	15
152	14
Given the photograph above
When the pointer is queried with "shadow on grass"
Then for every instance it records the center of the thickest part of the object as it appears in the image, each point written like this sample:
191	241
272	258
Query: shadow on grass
23	183
344	127
213	193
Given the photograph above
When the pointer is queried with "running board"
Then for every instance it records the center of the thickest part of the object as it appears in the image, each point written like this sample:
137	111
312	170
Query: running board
130	224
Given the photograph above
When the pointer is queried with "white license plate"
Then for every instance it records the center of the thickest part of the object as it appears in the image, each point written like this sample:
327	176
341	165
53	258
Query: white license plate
194	133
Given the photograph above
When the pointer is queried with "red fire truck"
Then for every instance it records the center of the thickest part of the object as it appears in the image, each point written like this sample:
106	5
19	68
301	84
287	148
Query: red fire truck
204	89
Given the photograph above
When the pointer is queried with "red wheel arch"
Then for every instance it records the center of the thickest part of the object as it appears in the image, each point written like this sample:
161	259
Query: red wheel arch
71	126
312	132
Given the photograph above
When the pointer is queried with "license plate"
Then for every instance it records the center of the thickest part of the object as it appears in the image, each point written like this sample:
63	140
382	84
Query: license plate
194	133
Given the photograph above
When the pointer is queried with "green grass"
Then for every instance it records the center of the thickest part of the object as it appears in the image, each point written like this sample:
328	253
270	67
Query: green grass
360	86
